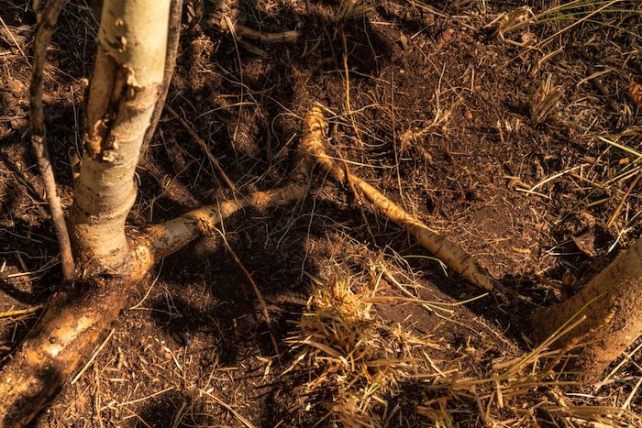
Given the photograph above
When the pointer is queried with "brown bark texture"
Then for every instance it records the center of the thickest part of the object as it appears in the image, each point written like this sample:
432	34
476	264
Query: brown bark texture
611	304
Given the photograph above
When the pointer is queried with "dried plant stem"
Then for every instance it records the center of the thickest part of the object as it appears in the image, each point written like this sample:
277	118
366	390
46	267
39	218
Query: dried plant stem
49	18
17	312
244	32
449	252
617	211
257	292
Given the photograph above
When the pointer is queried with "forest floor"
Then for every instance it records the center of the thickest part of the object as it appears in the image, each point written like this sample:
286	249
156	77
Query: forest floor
509	129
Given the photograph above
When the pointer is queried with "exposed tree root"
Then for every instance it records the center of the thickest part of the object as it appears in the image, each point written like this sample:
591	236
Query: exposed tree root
450	253
63	337
611	304
171	236
48	21
74	321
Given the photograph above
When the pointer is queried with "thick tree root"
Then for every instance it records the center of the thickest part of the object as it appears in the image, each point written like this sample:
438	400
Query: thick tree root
455	257
611	304
171	236
74	321
63	337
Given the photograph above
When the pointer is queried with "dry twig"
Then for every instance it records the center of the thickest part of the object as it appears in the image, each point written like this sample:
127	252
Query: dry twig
49	18
243	32
257	292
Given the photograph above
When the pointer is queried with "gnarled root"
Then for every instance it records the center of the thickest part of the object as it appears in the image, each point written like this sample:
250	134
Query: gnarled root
447	251
63	337
610	305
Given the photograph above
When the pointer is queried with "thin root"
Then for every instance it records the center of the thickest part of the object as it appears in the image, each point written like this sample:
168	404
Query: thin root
449	252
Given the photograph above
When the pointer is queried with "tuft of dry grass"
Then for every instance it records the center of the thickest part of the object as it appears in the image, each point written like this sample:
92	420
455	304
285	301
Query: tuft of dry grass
524	391
348	354
545	99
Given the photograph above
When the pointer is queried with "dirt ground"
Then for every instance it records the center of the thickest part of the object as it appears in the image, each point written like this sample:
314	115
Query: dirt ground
501	139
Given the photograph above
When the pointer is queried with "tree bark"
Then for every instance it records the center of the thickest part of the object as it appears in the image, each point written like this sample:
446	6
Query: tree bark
612	305
127	83
173	39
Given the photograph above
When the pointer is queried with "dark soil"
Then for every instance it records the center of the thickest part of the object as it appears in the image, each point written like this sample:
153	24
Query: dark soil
439	119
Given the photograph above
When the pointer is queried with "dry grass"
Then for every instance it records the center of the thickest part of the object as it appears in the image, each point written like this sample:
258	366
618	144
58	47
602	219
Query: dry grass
348	353
358	369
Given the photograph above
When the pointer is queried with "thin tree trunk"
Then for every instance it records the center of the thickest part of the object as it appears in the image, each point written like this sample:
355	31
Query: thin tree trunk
48	21
127	83
170	63
612	306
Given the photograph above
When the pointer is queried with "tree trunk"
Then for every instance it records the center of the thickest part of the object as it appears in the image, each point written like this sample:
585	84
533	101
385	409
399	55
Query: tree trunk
125	88
612	306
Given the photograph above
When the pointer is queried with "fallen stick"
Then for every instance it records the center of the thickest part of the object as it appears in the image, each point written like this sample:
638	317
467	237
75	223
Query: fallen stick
48	21
455	257
258	36
243	32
